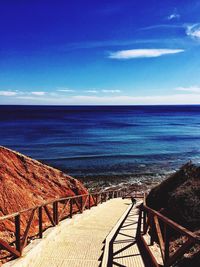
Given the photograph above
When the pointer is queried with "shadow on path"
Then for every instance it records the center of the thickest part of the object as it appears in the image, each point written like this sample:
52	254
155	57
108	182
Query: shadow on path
123	249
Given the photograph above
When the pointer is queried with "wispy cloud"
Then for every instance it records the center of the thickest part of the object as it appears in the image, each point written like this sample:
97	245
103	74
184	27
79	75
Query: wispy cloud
193	30
190	89
64	89
111	91
174	16
113	43
38	93
27	97
143	53
91	91
119	100
8	93
138	100
161	26
179	98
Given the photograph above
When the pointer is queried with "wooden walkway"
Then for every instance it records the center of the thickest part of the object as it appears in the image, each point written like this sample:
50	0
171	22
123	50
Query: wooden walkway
121	248
103	235
80	241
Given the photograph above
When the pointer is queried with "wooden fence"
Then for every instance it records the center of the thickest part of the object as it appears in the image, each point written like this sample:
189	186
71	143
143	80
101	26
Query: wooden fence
55	211
160	228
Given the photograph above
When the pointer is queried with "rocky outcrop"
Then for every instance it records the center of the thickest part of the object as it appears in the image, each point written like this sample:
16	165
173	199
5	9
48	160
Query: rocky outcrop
179	196
25	183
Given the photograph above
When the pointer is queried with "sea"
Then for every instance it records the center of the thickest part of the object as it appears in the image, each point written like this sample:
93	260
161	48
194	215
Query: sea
116	143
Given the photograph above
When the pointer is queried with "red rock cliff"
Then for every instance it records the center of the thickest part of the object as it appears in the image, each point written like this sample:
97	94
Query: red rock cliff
25	182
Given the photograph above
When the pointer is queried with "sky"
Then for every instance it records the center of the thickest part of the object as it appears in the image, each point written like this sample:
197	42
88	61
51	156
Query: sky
90	52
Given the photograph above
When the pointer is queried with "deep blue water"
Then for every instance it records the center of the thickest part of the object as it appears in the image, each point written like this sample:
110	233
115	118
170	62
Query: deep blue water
142	141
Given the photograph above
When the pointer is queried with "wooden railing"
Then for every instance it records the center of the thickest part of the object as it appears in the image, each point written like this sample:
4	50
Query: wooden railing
135	194
54	211
160	229
150	221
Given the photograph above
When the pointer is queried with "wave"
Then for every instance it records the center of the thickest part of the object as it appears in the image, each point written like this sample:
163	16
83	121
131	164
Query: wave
175	138
120	124
121	156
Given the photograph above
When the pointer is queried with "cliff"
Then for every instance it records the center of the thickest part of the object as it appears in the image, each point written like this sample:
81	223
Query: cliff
25	183
179	196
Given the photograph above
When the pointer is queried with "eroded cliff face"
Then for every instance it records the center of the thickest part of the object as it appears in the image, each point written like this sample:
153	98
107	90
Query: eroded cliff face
26	183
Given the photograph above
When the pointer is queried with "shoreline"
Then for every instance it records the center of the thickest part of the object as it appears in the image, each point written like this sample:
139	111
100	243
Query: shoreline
134	181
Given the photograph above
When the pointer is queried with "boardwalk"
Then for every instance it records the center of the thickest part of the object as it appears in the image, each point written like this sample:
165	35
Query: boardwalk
80	241
121	247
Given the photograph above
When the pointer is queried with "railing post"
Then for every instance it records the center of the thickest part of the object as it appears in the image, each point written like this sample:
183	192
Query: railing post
96	203
144	221
81	204
71	208
151	229
138	232
89	205
17	233
55	212
144	198
166	240
40	221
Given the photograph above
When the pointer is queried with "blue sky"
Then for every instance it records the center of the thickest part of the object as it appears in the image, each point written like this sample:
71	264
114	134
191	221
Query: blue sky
99	52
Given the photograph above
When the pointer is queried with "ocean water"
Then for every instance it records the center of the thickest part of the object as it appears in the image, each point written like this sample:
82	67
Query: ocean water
126	142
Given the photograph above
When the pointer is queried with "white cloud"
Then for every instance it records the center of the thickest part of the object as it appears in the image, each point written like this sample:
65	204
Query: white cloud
64	89
39	93
143	53
53	94
173	16
193	30
191	89
160	26
8	93
110	91
92	91
179	98
27	97
131	100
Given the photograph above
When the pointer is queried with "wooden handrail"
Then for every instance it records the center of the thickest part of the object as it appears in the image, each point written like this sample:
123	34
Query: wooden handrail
74	204
151	220
173	224
51	202
148	219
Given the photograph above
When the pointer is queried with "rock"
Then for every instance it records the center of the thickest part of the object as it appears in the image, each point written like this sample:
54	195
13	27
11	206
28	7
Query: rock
179	196
25	183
